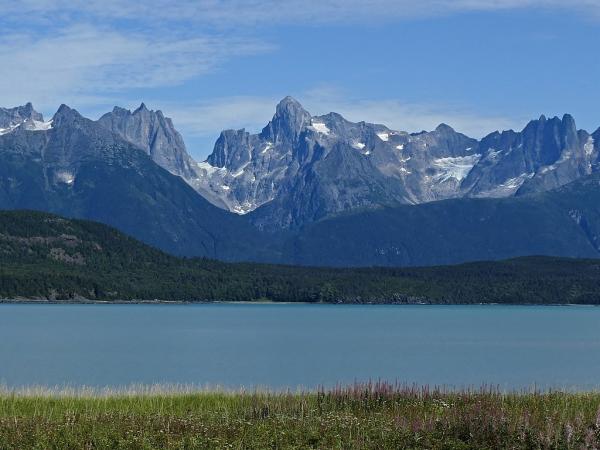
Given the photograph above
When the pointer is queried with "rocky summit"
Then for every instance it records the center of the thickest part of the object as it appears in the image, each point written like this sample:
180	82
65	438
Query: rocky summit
24	117
155	134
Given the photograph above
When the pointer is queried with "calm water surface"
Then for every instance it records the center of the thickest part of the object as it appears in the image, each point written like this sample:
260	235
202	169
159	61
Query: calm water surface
280	346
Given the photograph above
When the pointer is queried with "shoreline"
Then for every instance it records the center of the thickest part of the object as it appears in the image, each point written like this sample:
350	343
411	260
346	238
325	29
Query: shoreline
34	301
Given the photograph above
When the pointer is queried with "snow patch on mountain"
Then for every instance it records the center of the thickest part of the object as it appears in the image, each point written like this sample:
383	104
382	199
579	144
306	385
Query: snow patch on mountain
36	125
244	208
492	154
9	129
208	169
457	167
508	187
29	125
65	176
589	146
241	170
320	127
268	146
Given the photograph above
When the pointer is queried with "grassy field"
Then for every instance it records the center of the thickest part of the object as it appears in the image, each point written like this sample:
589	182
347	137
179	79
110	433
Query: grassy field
363	416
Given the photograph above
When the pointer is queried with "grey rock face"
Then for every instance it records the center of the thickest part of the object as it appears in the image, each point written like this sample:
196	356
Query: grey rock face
20	116
547	154
288	122
155	134
248	170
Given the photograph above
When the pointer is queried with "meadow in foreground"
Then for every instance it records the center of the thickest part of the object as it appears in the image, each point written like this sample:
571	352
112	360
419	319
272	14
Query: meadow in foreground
377	415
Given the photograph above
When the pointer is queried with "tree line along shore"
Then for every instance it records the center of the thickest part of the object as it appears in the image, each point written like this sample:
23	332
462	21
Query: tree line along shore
44	257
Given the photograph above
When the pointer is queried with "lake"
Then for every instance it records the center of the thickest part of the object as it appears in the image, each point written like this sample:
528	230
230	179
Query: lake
280	346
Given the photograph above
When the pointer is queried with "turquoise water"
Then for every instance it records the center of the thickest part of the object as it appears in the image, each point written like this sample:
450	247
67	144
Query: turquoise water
279	346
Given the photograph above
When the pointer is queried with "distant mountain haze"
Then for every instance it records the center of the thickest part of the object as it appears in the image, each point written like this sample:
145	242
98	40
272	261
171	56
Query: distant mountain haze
312	189
306	168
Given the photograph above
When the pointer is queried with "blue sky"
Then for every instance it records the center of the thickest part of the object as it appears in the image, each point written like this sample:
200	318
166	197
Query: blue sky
477	65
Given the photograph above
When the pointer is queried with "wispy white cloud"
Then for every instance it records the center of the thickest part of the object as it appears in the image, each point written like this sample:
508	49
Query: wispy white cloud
86	64
87	51
224	13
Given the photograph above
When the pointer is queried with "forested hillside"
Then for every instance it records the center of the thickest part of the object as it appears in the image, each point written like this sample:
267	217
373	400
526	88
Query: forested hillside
43	256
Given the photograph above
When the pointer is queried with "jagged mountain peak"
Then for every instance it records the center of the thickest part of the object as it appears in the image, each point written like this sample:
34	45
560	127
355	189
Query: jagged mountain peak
65	115
287	123
565	120
548	153
333	116
291	111
566	117
444	126
29	110
26	110
145	111
119	117
141	108
288	103
155	134
10	118
118	110
558	133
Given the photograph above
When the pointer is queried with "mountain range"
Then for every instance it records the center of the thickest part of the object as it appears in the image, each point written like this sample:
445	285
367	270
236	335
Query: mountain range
316	190
301	168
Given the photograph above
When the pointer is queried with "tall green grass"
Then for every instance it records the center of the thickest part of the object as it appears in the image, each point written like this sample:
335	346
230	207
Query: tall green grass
374	415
